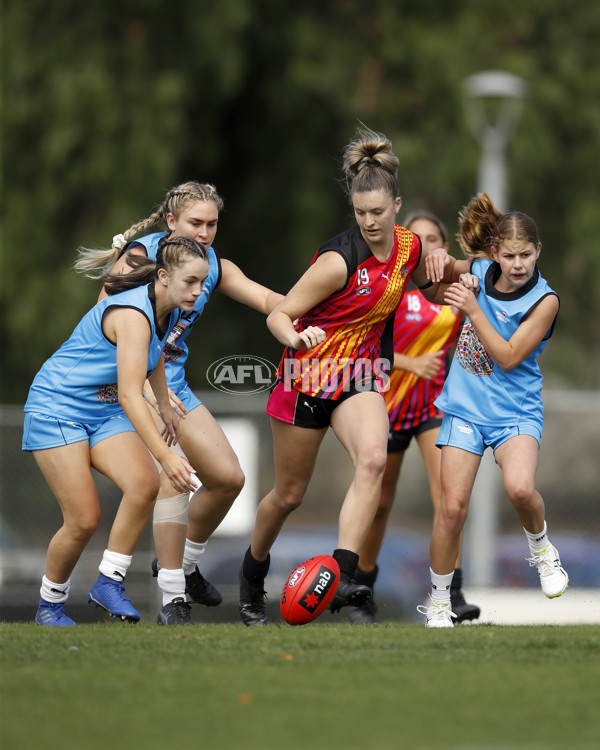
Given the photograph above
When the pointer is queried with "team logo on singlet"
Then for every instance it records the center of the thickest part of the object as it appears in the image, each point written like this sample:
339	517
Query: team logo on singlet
172	353
172	350
471	353
108	394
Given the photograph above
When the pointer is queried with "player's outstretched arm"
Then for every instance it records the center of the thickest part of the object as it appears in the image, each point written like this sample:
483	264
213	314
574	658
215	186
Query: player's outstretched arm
235	284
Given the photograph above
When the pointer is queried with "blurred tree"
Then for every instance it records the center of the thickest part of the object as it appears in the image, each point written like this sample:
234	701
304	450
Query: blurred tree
106	105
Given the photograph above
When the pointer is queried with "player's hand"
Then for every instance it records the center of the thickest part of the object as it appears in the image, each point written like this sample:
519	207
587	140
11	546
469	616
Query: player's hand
460	297
171	431
469	281
177	404
309	338
435	264
427	366
181	474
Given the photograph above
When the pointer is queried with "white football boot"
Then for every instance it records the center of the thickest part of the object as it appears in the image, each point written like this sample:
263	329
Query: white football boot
553	576
438	614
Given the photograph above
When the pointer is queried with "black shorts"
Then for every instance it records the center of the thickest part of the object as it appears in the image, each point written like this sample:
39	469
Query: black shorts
294	407
399	440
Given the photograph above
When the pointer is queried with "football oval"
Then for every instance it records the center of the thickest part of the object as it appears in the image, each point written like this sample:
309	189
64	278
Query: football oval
309	590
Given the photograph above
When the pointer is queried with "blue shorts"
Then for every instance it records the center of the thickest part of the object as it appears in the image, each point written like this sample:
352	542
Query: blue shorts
185	395
475	438
41	431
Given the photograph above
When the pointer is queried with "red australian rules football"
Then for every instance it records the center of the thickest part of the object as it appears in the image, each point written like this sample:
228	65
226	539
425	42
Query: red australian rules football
309	590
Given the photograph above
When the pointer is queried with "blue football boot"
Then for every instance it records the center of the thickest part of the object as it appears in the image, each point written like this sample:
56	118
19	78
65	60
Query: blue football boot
110	595
52	613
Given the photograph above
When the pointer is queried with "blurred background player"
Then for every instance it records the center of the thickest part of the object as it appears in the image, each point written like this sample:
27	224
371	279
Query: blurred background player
191	209
423	335
336	324
492	395
85	410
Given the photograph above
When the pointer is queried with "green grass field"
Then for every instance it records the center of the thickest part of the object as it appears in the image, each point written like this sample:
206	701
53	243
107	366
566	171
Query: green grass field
321	686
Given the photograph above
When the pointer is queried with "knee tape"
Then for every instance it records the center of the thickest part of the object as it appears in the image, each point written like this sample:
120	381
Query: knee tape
171	509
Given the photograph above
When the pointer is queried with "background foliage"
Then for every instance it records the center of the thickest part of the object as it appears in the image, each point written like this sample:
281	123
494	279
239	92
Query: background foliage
107	105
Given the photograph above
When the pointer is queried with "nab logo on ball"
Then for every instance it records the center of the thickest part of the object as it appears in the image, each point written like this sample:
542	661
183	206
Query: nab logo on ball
321	584
309	590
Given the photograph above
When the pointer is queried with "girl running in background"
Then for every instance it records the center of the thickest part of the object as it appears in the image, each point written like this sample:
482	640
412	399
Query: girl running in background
190	209
423	335
85	409
492	396
344	306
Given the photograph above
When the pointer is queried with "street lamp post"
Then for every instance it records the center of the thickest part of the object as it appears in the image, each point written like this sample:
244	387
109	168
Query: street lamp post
493	101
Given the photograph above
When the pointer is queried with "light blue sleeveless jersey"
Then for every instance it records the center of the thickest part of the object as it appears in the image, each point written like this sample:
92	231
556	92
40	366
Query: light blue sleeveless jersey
79	381
476	389
176	350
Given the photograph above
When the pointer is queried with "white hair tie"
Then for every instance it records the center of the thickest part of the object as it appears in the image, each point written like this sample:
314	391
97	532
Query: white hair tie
119	241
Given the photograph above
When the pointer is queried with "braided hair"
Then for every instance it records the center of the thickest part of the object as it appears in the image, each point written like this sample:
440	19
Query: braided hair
96	263
172	253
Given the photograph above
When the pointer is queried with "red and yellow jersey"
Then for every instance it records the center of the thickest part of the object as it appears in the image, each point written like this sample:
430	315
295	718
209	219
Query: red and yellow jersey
355	318
420	327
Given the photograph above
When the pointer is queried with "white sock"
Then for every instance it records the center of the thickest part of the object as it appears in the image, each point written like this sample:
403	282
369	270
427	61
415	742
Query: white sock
191	555
440	586
114	565
538	541
54	592
172	584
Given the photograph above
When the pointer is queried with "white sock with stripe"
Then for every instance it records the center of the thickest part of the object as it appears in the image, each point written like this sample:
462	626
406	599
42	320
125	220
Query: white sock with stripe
440	586
54	592
539	541
114	565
